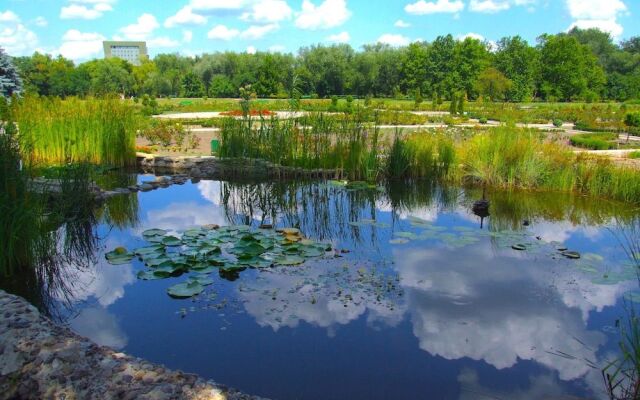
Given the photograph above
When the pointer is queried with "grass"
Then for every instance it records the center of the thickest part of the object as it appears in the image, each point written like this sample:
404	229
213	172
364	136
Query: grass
56	131
634	155
504	157
595	141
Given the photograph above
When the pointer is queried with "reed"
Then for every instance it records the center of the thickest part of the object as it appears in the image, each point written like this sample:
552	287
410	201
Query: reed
56	131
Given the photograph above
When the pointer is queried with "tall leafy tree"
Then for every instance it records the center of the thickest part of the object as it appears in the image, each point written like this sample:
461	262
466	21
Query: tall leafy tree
520	63
569	70
10	82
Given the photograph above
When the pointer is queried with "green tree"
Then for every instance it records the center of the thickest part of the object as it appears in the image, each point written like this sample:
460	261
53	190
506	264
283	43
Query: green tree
569	69
471	56
192	85
520	63
414	69
493	85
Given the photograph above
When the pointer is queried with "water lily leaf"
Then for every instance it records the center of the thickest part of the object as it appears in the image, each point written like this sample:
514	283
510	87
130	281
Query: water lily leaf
289	260
148	250
171	241
155	262
574	255
154	232
406	235
204	280
119	256
312	252
150	275
154	239
519	247
185	290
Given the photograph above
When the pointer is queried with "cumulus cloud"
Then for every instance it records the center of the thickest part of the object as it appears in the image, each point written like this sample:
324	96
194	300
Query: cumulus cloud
402	24
218	6
86	9
251	50
489	6
187	36
342	37
15	38
394	39
222	32
142	29
601	14
329	14
268	11
423	7
258	31
185	17
100	326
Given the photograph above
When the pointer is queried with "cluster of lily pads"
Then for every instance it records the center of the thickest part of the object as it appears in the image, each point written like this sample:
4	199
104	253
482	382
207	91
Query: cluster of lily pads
210	248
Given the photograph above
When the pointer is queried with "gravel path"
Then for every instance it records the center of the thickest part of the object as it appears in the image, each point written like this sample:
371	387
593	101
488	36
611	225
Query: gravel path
42	360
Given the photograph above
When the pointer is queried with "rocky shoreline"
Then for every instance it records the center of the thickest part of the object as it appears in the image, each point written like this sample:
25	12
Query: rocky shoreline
42	360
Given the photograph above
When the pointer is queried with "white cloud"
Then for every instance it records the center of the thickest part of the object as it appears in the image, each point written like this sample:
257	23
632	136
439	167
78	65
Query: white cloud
394	39
9	16
422	7
258	31
86	9
277	48
342	37
185	16
97	324
606	25
15	38
251	50
328	14
221	32
489	6
601	14
162	42
187	36
471	35
595	9
268	11
41	22
78	45
213	6
402	24
142	29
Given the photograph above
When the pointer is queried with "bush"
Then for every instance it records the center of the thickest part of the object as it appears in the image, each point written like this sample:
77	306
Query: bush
635	155
483	120
594	141
558	122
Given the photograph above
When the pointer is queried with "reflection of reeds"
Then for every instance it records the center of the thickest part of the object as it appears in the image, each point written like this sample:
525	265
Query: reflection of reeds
622	375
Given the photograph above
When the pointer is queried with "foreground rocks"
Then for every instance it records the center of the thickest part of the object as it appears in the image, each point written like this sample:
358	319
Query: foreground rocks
42	360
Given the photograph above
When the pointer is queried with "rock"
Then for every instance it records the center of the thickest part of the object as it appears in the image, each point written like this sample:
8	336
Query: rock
145	187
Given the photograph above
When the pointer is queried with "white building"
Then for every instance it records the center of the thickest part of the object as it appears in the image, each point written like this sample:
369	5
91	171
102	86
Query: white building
133	52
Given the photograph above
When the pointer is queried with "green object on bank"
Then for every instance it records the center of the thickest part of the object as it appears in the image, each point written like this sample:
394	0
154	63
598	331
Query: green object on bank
215	147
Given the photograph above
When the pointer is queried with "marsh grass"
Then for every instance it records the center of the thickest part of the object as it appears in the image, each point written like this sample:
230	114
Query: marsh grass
56	131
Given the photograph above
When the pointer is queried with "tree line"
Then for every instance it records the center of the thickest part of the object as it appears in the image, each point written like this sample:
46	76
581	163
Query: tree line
578	65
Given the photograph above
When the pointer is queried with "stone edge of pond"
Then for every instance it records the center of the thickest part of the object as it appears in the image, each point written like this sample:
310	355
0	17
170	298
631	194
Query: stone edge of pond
202	167
40	359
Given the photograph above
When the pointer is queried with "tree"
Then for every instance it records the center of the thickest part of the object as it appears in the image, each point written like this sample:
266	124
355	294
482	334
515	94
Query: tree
471	56
414	69
493	84
192	86
632	120
520	63
10	82
111	75
569	70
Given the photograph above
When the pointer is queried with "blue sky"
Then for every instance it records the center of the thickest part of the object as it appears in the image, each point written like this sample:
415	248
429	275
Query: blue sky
76	28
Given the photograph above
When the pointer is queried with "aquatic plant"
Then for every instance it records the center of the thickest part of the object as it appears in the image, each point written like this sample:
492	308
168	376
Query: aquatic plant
55	131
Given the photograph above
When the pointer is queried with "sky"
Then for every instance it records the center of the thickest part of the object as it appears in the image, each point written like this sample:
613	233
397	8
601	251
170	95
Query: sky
76	28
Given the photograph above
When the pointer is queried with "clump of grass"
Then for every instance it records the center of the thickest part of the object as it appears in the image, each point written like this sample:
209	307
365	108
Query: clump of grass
56	131
634	155
422	155
595	141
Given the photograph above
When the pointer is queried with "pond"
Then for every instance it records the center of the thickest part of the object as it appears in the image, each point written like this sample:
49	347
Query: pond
417	297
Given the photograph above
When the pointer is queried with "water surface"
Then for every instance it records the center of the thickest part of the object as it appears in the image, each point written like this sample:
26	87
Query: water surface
419	299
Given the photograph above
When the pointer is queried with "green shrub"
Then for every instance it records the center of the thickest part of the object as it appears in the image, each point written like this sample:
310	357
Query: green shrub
594	141
635	155
557	123
483	120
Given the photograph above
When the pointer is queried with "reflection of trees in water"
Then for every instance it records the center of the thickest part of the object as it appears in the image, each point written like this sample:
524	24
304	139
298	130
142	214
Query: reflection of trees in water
325	211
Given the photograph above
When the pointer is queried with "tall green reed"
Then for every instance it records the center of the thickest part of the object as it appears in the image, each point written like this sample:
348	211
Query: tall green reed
56	131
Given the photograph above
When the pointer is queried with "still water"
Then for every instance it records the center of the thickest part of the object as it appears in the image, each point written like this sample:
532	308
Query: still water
419	297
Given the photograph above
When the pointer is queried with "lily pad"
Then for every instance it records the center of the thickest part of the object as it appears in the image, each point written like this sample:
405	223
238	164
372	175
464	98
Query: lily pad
574	255
289	260
519	247
154	232
171	241
185	290
119	256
